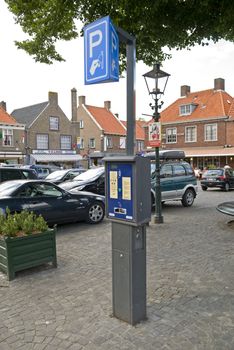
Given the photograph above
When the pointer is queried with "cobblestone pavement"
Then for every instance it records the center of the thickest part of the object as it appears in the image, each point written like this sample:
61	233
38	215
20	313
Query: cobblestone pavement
190	294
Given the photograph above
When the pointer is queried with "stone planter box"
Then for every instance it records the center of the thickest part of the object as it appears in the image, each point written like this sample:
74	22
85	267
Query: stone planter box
19	253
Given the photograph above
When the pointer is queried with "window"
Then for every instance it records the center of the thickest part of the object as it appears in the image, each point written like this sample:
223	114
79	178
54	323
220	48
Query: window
171	135
179	170
65	142
140	145
7	137
187	109
81	124
42	141
190	134
166	171
211	132
122	142
109	142
82	145
91	143
54	123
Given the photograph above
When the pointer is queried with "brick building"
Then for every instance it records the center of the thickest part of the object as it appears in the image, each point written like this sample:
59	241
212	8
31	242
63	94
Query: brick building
50	137
11	138
202	124
101	131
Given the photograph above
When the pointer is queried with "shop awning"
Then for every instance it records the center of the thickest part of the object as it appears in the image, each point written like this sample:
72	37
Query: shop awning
7	155
209	152
56	157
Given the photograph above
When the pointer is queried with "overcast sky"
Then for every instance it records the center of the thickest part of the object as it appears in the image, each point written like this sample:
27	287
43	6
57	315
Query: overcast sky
23	82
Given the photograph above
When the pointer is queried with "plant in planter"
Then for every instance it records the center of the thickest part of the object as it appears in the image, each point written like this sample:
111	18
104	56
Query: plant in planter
25	241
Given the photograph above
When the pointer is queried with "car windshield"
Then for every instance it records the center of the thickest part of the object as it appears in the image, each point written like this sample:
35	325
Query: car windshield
8	187
213	172
58	174
89	174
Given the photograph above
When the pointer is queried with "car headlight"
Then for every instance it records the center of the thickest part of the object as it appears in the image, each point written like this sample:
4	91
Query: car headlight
79	188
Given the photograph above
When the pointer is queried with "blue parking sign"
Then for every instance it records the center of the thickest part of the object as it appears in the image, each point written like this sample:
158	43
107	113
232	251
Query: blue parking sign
101	52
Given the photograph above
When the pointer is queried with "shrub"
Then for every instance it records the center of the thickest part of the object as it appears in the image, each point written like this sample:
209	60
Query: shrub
21	224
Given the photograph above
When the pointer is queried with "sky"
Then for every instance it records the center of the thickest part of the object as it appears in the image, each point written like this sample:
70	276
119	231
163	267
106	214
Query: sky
24	82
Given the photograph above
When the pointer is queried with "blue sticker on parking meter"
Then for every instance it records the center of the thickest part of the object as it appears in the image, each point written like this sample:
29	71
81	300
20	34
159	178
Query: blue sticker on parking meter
120	201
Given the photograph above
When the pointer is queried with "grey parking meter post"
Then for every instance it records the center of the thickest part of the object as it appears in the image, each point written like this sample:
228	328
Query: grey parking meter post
128	206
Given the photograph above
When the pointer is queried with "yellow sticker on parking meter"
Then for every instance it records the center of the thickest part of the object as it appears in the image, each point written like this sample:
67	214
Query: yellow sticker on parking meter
126	186
114	184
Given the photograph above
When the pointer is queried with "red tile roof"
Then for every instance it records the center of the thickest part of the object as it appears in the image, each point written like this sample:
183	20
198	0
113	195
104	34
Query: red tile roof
209	104
140	134
107	121
6	118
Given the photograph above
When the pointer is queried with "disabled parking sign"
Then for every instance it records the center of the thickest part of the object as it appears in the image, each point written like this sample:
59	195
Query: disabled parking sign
101	52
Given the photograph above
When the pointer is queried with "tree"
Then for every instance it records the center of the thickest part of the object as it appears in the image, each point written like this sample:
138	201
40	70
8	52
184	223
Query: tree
158	25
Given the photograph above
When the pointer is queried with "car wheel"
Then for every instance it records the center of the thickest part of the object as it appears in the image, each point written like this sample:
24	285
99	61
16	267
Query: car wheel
227	187
204	188
95	213
188	198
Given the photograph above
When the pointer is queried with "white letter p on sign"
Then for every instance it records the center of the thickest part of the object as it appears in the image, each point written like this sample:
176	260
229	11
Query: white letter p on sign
93	42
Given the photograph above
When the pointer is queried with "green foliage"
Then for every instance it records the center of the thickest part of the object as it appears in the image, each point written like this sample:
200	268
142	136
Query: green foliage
23	223
155	24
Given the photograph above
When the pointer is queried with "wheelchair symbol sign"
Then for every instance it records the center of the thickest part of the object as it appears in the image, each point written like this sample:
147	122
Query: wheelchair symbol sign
101	52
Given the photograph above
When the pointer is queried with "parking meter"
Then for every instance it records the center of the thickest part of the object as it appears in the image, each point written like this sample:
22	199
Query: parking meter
128	206
128	198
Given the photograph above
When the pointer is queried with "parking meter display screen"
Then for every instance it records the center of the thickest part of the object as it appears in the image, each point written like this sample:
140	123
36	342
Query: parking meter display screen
120	201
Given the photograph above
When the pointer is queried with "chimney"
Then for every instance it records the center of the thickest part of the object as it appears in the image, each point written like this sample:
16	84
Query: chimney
107	105
53	98
74	104
219	84
184	90
81	100
3	105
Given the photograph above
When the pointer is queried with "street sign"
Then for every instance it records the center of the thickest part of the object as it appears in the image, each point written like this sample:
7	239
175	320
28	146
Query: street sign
101	52
155	134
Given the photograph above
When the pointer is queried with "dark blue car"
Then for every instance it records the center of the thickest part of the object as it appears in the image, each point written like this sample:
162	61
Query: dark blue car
53	203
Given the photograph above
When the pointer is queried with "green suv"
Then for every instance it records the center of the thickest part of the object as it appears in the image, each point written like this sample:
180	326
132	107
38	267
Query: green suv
177	179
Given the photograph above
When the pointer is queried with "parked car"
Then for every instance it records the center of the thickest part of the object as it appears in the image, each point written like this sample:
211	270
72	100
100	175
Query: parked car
93	180
42	170
13	173
222	178
177	182
60	176
53	203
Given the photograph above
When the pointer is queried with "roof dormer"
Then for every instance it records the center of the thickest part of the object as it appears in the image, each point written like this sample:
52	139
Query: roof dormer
187	109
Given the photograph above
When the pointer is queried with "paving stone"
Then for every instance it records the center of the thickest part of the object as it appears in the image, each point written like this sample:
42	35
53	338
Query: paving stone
190	288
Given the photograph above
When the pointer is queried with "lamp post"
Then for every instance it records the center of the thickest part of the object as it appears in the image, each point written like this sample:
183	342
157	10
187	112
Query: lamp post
159	79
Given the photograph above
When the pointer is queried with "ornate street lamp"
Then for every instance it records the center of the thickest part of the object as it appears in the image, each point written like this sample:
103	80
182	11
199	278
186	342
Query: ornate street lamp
156	81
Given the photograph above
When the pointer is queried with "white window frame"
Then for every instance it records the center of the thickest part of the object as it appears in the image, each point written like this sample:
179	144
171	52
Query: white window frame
7	137
46	141
209	134
82	144
81	124
185	109
191	136
66	142
92	143
54	123
122	142
140	145
109	142
172	135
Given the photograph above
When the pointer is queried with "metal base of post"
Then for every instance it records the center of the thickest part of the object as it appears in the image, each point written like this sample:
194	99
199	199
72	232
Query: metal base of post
158	219
129	272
